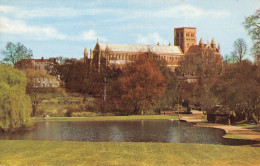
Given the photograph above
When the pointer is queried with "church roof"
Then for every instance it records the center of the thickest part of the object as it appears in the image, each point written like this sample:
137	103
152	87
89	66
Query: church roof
159	49
194	49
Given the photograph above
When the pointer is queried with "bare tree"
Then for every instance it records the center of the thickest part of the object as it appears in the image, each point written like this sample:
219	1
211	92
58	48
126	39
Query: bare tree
240	49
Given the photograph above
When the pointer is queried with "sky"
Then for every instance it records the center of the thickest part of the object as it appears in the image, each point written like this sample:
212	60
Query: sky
53	28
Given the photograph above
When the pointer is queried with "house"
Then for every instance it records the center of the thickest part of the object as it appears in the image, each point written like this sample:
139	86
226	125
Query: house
45	65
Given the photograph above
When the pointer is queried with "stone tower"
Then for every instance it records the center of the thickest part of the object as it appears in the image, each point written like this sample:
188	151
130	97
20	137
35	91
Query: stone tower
185	37
85	55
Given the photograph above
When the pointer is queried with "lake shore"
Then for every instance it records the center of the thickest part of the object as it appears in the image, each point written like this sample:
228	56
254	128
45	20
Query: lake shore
237	132
130	117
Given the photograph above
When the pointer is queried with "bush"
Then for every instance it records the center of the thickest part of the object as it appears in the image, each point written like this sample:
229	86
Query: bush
150	112
87	108
71	110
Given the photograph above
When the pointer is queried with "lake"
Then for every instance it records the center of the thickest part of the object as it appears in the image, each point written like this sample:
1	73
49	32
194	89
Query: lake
124	131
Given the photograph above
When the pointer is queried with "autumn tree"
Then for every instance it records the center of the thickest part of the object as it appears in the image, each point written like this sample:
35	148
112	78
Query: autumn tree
171	95
15	52
141	85
252	25
15	110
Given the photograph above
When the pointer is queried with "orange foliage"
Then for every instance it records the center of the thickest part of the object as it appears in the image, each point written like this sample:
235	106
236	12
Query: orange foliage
141	85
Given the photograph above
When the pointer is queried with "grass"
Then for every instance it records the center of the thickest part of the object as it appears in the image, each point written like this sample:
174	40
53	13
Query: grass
251	126
56	104
131	117
233	136
111	153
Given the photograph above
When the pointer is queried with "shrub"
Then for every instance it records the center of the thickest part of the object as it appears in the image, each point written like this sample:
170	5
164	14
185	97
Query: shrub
150	112
71	110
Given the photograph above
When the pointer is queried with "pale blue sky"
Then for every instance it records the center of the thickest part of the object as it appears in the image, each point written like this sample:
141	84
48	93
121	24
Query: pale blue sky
54	28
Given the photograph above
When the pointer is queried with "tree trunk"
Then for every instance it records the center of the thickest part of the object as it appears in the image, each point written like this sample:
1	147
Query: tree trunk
84	98
34	107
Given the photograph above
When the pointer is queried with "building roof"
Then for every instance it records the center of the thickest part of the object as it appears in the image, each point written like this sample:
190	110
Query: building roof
36	60
194	49
186	27
140	48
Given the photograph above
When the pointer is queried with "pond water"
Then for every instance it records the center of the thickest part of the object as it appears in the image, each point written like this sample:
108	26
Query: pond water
124	131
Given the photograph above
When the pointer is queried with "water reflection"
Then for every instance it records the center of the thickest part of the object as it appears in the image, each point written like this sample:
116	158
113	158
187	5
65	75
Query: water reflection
124	131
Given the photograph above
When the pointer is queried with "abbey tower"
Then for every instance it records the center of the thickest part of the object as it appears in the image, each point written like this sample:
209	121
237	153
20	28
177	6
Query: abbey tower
185	37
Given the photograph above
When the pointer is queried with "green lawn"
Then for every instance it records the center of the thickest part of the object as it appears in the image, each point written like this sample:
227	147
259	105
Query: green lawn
131	117
110	153
251	126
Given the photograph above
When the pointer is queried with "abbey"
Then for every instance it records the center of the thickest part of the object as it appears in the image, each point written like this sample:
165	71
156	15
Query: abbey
121	54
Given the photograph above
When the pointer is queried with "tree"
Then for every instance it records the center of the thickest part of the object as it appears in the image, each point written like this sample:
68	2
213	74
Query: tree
205	63
15	52
61	70
15	110
79	77
35	89
238	89
171	95
141	85
240	49
252	24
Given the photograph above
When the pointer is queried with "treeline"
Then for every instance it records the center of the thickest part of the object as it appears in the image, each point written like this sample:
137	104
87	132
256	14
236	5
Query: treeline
234	87
139	86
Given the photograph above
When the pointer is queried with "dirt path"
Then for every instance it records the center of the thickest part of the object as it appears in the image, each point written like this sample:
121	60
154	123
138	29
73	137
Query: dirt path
197	117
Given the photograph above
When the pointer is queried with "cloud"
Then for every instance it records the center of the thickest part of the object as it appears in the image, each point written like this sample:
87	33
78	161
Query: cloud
6	9
92	35
151	38
56	12
18	27
182	10
187	11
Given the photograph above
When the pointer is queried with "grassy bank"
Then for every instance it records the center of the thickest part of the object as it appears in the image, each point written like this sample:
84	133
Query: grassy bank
251	126
87	153
131	117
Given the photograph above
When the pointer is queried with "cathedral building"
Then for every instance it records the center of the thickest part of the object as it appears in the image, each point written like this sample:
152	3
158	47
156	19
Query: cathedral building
121	54
185	42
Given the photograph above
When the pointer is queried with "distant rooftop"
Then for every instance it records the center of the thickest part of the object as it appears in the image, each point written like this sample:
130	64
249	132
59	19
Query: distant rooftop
185	27
159	49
